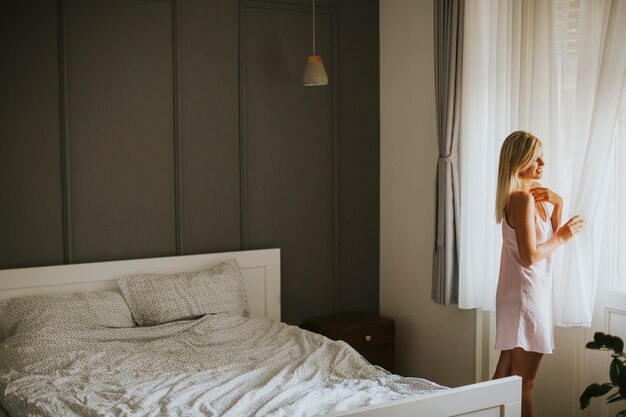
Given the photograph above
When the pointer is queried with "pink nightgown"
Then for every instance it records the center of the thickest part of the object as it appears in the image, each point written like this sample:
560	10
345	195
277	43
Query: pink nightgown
524	294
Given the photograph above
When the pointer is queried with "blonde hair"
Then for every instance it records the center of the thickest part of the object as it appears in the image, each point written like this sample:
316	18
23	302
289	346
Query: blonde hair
516	155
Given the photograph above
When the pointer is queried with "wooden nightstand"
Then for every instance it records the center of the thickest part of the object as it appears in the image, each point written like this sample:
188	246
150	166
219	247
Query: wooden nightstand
369	334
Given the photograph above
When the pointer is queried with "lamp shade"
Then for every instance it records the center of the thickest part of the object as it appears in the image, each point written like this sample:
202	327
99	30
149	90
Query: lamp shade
314	72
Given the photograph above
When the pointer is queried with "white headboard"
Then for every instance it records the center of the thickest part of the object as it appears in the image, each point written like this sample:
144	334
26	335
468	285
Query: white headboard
260	268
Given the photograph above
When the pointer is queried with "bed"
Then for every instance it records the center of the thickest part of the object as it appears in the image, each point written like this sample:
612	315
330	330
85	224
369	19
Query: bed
339	383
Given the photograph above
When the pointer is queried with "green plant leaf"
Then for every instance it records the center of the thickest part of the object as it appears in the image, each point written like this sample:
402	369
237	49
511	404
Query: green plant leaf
616	399
593	345
614	370
608	341
614	343
593	390
621	414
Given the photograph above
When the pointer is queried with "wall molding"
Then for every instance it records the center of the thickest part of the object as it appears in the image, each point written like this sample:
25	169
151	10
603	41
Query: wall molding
334	86
64	135
177	131
243	167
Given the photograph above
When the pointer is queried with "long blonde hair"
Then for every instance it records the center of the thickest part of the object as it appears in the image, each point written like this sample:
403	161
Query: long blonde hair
516	155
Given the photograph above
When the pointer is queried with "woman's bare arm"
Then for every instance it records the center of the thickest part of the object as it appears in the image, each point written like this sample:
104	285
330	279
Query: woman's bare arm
522	215
541	194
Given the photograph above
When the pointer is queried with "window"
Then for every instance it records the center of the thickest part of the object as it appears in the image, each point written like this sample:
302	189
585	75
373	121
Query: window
552	68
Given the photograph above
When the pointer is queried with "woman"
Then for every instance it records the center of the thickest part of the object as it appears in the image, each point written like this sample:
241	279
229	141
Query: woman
530	215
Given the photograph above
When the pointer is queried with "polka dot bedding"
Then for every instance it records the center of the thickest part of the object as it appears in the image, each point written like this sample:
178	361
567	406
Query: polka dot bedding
160	298
218	365
89	310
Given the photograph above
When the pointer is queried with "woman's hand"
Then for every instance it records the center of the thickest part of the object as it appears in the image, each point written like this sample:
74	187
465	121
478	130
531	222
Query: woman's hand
545	194
569	229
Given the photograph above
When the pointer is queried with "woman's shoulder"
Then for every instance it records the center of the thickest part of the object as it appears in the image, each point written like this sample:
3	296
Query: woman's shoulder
521	204
520	198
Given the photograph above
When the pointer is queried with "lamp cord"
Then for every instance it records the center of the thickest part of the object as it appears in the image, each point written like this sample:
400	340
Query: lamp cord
313	27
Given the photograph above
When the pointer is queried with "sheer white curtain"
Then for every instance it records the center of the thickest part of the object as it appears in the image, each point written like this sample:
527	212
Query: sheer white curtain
555	68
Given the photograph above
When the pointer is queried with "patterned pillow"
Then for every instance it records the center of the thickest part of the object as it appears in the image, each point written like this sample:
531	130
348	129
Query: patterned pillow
160	298
79	310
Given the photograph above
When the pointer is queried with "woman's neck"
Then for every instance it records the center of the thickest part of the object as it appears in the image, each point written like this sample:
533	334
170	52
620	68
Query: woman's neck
527	185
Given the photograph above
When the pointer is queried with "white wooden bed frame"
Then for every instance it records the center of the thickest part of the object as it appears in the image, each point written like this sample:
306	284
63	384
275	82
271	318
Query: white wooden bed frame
261	271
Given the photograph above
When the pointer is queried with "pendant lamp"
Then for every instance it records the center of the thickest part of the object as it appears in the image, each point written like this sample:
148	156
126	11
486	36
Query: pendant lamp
314	72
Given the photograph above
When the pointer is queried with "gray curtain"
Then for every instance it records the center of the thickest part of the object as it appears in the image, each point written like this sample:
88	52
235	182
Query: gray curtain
448	67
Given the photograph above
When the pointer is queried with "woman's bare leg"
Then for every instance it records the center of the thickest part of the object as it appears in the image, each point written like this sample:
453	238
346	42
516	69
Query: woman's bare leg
503	369
525	364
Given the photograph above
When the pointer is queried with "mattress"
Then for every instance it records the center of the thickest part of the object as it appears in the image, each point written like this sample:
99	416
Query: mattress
218	365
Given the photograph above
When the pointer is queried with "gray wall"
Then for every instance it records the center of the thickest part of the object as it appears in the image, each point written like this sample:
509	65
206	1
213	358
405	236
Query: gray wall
133	128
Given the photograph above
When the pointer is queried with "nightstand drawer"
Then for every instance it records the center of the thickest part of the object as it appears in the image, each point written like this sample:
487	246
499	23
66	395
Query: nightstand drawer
367	336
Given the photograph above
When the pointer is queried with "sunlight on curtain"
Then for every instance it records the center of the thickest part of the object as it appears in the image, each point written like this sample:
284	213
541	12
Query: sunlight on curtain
555	68
618	237
502	90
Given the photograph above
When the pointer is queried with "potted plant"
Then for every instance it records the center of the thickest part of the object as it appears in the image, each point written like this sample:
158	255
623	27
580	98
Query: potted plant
617	372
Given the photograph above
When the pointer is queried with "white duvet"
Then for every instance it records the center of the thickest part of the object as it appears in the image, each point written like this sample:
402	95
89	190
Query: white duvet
218	365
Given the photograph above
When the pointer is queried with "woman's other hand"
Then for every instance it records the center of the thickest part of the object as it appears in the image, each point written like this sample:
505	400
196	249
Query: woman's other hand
569	229
545	194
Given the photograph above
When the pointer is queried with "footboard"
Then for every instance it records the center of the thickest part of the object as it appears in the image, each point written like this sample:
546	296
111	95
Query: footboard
498	398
